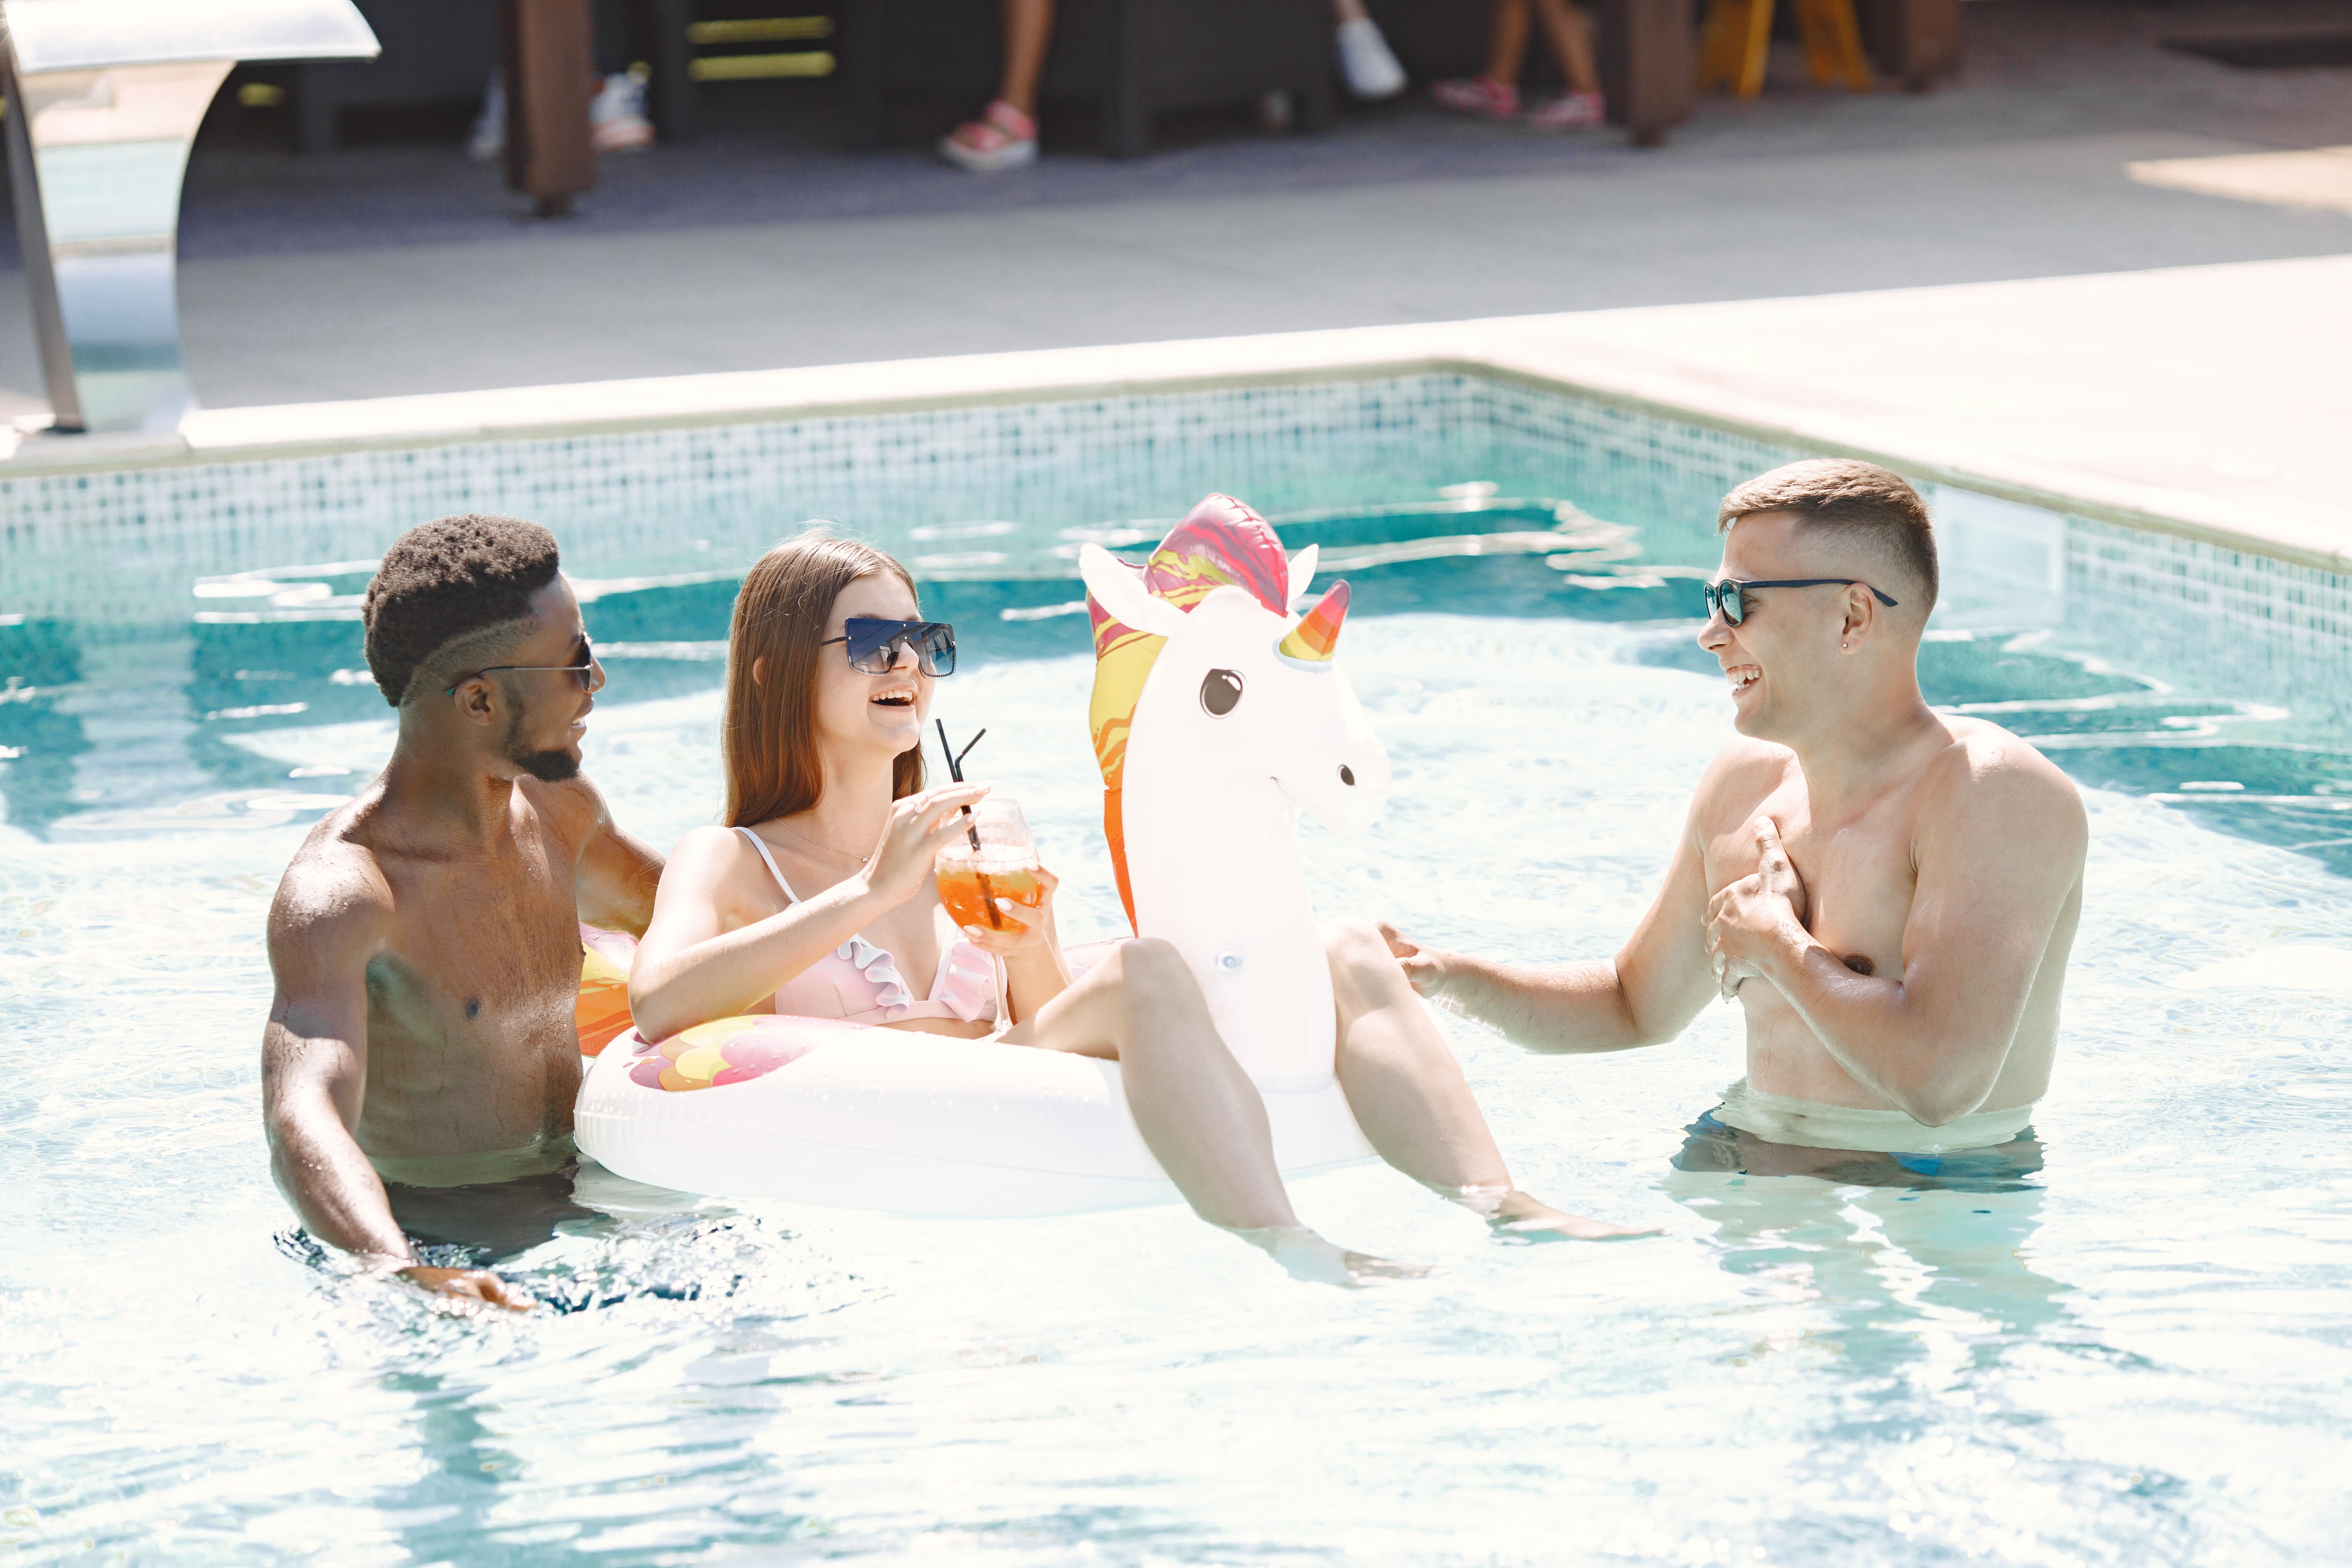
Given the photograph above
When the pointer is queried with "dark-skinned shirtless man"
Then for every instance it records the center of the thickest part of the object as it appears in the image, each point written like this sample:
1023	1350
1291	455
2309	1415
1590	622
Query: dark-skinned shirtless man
425	941
1889	892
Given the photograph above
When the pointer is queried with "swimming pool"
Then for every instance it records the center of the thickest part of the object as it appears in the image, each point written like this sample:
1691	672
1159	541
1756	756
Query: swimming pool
2136	1354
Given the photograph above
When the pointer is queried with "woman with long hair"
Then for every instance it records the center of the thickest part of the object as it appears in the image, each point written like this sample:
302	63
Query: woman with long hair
829	846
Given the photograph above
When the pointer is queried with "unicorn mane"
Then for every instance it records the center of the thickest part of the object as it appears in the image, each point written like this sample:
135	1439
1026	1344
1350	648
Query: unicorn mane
1220	543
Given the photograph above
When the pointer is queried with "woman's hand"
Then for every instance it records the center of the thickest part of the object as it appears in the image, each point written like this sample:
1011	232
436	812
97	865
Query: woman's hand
1025	930
911	837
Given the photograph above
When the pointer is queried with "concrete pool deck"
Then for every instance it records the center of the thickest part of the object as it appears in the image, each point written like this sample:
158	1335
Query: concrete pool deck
2210	401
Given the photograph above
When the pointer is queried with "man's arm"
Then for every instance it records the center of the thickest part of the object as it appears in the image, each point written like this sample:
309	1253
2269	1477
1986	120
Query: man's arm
2001	845
1644	996
323	932
615	874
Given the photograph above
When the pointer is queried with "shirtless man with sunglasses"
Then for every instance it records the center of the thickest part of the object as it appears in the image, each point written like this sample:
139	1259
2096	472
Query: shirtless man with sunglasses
1888	892
426	939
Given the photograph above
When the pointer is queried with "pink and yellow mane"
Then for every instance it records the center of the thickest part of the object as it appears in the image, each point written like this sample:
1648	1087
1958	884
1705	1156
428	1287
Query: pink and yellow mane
1221	543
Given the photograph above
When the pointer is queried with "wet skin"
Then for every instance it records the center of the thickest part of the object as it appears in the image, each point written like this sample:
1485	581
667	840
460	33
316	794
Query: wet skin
427	954
1854	890
1890	893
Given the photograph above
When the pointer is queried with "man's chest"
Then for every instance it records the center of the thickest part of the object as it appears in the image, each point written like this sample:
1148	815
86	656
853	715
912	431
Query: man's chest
1858	874
488	944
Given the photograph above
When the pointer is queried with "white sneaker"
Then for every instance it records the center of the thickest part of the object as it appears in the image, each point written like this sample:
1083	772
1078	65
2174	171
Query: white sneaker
617	118
488	139
1365	60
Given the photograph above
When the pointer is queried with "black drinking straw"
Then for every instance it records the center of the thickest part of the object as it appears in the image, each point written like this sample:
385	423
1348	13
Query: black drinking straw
955	770
955	766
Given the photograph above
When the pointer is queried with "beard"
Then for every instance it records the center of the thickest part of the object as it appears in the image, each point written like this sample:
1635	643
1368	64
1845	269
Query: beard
548	767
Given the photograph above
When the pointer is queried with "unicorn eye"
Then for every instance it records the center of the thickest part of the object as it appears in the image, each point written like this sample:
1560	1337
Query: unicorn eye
1220	692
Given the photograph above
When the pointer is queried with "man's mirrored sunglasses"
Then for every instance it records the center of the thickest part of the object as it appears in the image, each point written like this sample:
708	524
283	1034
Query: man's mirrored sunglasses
1725	595
873	645
583	671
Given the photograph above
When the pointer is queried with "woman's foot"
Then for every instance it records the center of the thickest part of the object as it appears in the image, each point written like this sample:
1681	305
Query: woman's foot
1568	111
1307	1255
1001	138
1518	1219
1480	95
1367	62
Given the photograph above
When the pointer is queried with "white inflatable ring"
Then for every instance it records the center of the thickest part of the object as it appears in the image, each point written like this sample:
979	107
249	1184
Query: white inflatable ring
819	1111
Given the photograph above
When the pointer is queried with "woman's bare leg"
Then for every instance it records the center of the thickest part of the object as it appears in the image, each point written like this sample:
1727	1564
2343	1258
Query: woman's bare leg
1571	44
1506	41
1198	1111
1412	1101
1028	29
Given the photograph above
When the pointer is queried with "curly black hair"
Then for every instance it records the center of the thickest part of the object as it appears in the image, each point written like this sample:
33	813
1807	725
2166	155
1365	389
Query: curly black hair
446	579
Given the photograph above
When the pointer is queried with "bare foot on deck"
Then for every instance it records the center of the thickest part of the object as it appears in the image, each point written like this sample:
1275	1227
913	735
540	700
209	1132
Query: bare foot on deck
1518	1219
1307	1255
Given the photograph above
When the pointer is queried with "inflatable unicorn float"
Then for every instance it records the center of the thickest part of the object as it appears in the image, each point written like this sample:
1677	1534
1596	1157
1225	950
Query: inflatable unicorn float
1218	716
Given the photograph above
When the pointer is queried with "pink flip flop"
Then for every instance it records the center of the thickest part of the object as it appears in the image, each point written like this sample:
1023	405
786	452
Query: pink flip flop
1001	138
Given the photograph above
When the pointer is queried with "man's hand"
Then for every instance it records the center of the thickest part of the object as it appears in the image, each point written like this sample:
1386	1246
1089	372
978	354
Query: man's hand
1424	968
469	1286
1756	915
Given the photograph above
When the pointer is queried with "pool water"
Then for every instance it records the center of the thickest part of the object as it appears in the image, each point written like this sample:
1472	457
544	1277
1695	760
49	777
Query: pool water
2140	1352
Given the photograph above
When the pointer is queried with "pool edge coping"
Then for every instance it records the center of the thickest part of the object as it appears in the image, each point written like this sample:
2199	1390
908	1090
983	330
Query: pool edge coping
1471	348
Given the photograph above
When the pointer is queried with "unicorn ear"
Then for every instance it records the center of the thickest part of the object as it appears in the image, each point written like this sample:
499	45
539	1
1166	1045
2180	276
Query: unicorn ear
1120	592
1302	571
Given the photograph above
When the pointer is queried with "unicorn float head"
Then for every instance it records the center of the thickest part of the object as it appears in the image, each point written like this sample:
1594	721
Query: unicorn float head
1218	716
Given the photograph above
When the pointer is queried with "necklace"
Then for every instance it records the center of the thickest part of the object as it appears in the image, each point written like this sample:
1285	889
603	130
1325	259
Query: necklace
828	848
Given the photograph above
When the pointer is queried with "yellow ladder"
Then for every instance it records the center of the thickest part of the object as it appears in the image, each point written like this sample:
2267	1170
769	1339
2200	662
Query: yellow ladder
1739	35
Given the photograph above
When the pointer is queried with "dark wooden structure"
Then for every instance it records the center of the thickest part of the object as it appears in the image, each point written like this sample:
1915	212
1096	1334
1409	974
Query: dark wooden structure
1130	61
549	53
1913	42
434	52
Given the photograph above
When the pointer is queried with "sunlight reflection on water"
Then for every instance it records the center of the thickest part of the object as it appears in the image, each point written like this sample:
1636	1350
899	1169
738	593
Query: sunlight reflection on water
2136	1355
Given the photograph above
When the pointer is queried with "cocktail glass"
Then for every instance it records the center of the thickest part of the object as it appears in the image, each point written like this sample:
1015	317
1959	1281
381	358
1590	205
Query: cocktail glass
993	857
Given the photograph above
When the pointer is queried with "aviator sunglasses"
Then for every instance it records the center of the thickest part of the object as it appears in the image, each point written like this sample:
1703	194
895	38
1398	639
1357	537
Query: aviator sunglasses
584	671
873	645
1725	595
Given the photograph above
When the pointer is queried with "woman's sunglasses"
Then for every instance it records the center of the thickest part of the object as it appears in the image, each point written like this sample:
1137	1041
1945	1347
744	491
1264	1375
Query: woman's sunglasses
873	645
1725	595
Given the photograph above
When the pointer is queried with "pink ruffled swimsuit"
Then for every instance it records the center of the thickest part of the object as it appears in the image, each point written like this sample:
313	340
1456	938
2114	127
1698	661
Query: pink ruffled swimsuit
860	983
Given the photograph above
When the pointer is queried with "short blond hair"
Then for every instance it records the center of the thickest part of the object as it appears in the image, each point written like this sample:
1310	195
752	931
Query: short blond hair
1850	497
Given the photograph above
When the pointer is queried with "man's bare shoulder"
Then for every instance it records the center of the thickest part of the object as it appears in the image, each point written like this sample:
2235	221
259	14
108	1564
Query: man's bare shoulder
1739	778
1989	778
334	893
573	806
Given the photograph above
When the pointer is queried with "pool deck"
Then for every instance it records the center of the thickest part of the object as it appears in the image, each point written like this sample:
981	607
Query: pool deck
2095	273
2210	401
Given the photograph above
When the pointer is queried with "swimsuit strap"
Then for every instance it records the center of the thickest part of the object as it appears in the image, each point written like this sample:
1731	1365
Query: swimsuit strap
760	844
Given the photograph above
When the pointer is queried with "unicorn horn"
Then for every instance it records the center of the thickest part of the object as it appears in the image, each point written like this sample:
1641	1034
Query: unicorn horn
1311	642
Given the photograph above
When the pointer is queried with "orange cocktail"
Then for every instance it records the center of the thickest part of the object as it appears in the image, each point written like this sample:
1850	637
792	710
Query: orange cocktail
969	889
992	858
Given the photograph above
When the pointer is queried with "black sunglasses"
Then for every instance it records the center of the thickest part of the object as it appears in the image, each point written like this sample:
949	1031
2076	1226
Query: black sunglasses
873	645
584	672
1725	595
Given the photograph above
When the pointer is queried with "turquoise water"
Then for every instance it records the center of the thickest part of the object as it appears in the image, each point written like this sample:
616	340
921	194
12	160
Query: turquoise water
2141	1353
